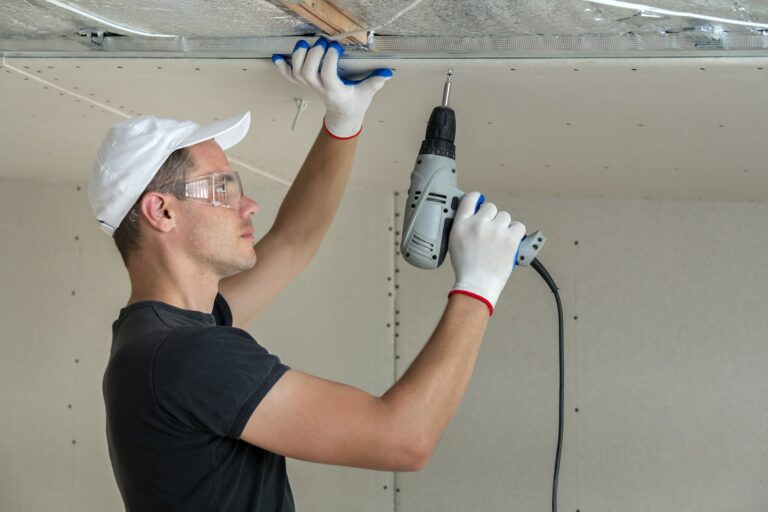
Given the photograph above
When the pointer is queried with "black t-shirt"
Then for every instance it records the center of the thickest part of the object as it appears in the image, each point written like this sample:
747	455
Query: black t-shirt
179	388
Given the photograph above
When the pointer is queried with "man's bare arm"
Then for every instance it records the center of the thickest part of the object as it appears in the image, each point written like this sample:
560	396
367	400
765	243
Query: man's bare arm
302	222
313	419
310	206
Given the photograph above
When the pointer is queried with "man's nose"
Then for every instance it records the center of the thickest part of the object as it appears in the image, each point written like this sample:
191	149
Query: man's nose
248	207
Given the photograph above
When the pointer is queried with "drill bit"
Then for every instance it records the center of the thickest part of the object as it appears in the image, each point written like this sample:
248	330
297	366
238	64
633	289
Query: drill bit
447	87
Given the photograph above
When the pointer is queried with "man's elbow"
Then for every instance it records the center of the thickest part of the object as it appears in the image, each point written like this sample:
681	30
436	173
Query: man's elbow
419	462
409	445
415	456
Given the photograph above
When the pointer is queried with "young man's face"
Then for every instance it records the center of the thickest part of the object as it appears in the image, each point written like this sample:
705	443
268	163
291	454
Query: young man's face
219	238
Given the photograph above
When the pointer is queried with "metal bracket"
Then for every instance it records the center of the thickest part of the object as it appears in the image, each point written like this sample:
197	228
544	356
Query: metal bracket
94	35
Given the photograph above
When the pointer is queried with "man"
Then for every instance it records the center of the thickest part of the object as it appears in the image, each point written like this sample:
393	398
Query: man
199	415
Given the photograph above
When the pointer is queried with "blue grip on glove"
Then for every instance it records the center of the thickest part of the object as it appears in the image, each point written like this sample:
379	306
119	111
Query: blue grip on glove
480	201
383	72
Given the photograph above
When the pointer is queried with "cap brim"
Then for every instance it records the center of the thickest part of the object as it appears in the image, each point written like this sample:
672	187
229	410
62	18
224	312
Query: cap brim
227	132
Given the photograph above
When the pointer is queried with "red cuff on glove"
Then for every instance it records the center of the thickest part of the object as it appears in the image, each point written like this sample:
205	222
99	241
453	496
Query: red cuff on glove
474	296
341	138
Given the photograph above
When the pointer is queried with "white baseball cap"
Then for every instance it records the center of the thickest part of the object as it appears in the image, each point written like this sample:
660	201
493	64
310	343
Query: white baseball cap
135	149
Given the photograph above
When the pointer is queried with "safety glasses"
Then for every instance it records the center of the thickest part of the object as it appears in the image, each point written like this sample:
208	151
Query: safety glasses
220	189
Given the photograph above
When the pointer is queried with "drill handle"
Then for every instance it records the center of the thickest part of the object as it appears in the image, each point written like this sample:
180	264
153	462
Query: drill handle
529	248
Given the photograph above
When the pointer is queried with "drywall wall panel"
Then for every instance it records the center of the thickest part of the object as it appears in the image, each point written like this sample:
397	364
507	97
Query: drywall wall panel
57	112
665	364
39	363
336	321
64	284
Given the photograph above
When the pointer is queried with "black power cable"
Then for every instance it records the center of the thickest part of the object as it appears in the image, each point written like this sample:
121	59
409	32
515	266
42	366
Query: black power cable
538	267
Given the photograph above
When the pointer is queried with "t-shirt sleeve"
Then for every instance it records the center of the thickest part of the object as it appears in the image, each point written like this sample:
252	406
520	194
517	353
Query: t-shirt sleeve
212	379
221	311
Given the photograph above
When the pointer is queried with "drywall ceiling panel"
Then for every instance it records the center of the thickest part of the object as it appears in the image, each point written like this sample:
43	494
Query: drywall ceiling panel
623	128
55	117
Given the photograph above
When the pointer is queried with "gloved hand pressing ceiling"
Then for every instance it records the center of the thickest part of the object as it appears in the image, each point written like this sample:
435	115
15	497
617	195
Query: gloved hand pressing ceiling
346	101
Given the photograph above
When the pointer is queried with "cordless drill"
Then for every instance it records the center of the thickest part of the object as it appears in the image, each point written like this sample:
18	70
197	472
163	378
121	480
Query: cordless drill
434	195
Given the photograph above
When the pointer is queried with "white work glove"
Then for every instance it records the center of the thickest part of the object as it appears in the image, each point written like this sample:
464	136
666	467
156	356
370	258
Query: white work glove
483	248
345	101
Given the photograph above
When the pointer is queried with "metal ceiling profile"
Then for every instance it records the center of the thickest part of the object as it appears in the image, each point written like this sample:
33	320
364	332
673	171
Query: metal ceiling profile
397	28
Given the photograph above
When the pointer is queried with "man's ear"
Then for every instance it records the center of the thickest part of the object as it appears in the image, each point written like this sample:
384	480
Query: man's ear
158	210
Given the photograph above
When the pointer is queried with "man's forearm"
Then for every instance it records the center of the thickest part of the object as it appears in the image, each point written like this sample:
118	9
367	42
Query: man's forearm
428	394
310	205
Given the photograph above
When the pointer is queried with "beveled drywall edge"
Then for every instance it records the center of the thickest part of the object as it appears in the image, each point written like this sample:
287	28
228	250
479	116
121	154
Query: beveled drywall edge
672	45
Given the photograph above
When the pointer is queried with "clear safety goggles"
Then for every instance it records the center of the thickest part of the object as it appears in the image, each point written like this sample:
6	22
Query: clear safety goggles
221	189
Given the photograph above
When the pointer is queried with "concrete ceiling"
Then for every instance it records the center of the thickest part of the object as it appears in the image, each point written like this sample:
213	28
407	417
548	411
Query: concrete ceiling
623	128
566	27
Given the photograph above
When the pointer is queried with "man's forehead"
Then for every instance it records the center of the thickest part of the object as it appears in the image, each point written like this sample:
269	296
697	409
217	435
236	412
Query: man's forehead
209	157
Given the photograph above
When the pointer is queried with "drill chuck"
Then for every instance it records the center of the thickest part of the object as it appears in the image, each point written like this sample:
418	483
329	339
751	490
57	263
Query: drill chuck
441	133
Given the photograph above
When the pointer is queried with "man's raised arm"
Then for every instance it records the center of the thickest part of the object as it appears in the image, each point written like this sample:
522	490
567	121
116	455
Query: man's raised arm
314	419
311	203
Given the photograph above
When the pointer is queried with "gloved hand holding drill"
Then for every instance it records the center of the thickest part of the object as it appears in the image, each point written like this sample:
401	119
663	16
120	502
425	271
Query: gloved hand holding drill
483	243
483	246
346	101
